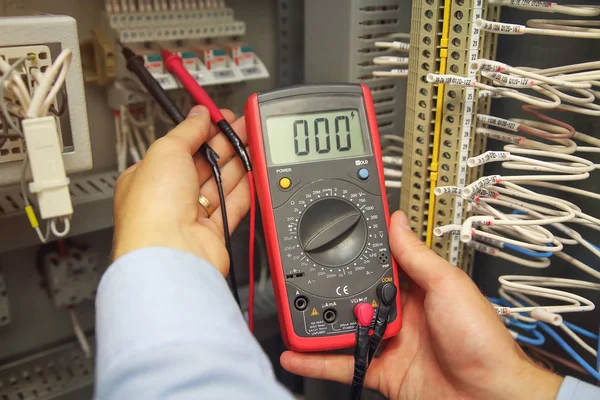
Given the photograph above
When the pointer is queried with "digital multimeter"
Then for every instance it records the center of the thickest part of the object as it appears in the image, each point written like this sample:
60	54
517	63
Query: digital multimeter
319	178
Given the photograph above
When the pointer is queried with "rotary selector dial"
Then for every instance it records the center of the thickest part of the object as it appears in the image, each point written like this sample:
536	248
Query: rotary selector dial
332	238
332	232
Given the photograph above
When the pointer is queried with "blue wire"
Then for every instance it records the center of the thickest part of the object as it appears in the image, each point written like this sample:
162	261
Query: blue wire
528	252
581	331
499	301
594	246
561	342
537	341
598	356
520	325
569	350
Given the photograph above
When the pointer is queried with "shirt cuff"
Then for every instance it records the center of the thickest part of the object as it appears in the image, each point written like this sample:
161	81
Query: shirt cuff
574	389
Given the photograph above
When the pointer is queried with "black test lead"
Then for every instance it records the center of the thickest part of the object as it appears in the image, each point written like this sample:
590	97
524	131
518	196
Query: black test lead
387	296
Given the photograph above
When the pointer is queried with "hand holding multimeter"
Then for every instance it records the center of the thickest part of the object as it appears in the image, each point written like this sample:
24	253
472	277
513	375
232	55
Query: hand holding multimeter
317	160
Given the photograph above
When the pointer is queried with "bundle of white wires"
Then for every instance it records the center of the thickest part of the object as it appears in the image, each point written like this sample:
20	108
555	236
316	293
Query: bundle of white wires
391	44
18	103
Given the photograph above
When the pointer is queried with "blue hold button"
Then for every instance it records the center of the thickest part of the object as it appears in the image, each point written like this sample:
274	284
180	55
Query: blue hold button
363	174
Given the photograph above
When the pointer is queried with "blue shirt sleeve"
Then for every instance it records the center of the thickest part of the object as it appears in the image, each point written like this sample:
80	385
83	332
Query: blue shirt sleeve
574	389
167	327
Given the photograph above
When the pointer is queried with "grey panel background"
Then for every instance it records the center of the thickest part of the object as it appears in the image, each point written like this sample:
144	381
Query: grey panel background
335	47
543	51
36	323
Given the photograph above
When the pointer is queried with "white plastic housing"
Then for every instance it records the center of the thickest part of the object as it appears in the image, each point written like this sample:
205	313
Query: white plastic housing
50	182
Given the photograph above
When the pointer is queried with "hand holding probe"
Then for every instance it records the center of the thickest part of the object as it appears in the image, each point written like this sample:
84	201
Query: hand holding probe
174	65
136	65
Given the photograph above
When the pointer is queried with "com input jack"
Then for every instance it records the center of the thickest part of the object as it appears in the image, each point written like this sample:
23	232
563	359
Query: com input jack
329	316
301	303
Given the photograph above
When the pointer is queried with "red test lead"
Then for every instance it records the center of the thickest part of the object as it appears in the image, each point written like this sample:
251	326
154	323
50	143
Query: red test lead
174	65
364	313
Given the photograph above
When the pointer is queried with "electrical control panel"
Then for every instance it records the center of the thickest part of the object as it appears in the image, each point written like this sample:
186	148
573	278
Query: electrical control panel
45	37
445	76
202	37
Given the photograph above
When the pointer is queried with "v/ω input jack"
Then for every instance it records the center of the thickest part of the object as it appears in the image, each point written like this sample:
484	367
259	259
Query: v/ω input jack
329	315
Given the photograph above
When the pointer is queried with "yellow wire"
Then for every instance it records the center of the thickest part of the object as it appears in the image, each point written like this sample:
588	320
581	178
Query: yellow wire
437	132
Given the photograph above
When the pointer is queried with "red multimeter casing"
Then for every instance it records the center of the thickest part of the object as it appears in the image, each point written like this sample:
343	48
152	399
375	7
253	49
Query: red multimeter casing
319	177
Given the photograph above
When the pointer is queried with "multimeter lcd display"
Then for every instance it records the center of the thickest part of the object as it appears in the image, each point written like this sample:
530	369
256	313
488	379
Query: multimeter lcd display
298	138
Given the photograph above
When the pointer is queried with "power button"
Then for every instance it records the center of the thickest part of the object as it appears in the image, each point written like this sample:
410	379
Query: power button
285	183
363	174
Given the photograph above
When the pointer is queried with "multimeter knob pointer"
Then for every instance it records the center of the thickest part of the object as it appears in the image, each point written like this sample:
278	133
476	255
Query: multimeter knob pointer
332	232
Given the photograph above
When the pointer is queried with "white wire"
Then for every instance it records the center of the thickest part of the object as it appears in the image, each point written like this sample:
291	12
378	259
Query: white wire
575	262
389	60
66	227
562	188
542	287
118	142
552	102
392	173
541	6
81	338
564	28
399	35
486	249
578	340
392	160
485	64
566	146
4	83
395	45
533	233
139	141
21	90
398	73
52	81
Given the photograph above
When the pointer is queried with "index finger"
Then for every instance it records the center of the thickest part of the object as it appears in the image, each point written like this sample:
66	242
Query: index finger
333	367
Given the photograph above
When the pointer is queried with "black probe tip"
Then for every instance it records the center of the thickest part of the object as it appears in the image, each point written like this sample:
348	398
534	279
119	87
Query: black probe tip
128	53
236	142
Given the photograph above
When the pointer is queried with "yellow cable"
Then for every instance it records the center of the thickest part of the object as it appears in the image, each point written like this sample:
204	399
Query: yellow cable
437	132
32	218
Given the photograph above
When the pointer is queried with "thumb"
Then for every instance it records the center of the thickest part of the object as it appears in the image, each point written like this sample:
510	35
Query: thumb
194	131
420	263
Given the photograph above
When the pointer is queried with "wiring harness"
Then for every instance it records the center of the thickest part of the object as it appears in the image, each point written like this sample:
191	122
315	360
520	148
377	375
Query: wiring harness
512	216
32	118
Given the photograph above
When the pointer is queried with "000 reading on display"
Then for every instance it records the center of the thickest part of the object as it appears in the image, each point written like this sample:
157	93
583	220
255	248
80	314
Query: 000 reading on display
315	136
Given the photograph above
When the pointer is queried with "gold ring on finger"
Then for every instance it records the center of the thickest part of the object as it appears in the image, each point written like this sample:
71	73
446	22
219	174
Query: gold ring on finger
207	205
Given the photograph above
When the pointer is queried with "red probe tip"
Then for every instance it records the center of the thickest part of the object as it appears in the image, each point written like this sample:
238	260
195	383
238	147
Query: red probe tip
364	314
166	54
